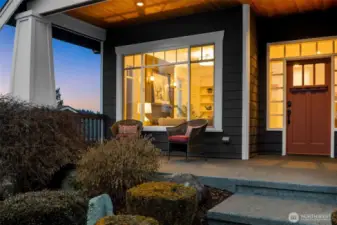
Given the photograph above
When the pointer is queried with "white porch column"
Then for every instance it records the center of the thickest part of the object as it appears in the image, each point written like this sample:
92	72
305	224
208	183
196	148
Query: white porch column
32	77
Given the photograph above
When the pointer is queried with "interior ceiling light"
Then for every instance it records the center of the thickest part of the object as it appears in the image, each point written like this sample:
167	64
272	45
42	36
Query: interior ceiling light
140	4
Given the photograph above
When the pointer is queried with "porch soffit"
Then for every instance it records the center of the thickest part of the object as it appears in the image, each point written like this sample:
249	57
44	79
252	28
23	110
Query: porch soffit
112	13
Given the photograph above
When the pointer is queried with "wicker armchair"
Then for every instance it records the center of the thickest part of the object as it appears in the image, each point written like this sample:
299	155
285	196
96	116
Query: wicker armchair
114	128
178	140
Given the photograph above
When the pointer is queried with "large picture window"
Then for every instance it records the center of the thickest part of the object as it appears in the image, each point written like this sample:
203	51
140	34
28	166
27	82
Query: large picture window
167	88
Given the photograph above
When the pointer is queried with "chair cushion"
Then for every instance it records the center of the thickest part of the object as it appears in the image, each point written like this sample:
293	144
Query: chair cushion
127	129
178	138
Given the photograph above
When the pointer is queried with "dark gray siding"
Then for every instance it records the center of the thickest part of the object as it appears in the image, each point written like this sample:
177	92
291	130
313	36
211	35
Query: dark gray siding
229	20
286	28
253	100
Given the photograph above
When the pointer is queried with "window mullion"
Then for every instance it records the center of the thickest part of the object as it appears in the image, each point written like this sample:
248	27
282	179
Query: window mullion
189	85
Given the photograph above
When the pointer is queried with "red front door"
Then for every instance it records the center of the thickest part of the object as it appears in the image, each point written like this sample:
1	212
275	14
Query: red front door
308	107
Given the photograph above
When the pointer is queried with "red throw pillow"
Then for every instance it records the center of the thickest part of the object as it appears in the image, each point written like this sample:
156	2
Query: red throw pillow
127	129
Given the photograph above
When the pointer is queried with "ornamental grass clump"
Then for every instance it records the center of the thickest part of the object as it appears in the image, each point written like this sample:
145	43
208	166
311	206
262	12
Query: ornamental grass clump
117	165
35	142
127	220
334	218
44	208
167	202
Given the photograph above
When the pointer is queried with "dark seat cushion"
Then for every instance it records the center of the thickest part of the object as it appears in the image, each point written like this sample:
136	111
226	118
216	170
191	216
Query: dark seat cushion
178	138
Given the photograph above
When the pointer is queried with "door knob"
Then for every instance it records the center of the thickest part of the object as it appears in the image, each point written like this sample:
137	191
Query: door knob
289	104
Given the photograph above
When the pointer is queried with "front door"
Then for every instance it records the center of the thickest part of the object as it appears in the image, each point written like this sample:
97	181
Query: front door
308	107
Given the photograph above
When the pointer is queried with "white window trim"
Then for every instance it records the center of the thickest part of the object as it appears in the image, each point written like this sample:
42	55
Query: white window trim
171	43
285	59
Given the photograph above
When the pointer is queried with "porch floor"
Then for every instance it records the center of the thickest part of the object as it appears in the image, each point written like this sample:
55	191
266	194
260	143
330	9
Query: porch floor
306	170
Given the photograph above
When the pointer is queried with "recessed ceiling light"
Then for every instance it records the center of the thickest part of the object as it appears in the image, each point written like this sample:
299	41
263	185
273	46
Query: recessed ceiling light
140	4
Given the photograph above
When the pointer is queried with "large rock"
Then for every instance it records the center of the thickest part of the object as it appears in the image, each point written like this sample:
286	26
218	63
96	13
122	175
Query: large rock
189	180
7	187
69	181
99	207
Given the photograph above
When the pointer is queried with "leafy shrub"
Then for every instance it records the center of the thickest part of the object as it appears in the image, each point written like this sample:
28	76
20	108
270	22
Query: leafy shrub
117	165
45	207
127	219
35	142
167	202
334	218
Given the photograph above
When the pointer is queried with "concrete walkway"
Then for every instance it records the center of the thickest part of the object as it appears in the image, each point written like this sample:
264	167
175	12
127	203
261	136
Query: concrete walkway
321	171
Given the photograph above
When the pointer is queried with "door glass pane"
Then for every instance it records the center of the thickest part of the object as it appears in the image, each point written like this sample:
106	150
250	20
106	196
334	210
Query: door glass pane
309	74
320	74
132	93
276	81
128	61
276	51
182	55
275	122
138	61
308	48
276	95
276	67
325	47
159	58
292	50
170	56
202	92
196	53
208	52
276	108
297	75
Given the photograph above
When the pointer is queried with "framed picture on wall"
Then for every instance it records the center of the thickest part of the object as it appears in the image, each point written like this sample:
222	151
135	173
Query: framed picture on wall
161	88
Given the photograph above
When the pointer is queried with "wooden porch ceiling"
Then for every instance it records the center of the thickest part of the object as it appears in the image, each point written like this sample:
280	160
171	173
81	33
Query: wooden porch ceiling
120	12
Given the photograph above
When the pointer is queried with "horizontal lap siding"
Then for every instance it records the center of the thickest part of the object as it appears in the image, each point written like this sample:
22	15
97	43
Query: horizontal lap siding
285	28
229	20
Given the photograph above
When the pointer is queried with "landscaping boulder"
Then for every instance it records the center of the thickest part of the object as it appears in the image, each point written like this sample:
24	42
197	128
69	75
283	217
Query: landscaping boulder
7	187
189	180
69	181
99	207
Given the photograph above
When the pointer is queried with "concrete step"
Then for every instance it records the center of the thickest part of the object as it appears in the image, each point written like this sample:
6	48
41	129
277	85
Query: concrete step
247	208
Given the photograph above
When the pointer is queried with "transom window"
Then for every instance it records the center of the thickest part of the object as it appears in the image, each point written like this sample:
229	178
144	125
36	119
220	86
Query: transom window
166	88
303	75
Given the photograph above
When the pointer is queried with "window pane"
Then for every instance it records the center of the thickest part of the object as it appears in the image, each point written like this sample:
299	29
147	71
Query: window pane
335	93
195	53
275	122
276	67
182	55
148	59
166	90
202	92
309	74
208	52
128	61
276	95
171	56
308	48
276	108
276	51
335	46
292	50
297	75
159	58
325	47
335	77
335	63
320	74
138	60
132	93
276	81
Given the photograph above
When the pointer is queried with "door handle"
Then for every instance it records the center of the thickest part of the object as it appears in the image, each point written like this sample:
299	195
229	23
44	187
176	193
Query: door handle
288	116
289	104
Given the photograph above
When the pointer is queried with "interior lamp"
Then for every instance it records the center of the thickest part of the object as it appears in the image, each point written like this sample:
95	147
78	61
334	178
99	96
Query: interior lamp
151	79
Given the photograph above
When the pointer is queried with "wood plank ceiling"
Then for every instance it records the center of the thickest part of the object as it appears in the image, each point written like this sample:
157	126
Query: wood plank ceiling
120	12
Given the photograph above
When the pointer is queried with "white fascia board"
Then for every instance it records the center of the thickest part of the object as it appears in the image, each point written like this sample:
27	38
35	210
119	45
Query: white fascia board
49	6
8	10
77	26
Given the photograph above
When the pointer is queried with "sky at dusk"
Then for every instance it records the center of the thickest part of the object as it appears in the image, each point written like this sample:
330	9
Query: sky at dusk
77	70
2	3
